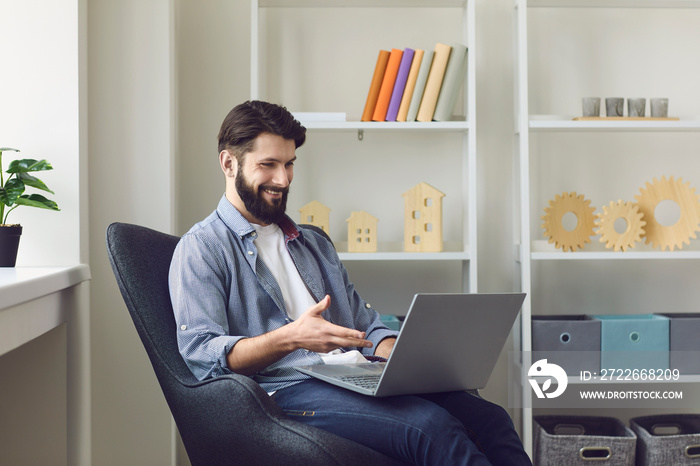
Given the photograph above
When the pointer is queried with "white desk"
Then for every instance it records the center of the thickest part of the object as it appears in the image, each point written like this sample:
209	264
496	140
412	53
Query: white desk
33	301
20	287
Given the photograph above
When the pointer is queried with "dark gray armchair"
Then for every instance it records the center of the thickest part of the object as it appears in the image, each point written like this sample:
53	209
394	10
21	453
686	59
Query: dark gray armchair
225	420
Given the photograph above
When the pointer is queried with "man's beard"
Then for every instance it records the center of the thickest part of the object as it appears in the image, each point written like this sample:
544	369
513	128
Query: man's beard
256	205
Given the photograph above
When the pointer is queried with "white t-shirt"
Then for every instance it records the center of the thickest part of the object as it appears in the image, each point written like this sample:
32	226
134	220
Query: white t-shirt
272	250
297	298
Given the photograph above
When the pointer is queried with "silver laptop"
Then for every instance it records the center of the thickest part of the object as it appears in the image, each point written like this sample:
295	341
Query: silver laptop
447	342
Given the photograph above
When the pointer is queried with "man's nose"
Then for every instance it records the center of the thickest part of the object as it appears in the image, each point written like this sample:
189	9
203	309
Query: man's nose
282	177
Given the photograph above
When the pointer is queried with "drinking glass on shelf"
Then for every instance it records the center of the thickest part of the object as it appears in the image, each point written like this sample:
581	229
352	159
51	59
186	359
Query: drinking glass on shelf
659	107
591	106
636	107
614	106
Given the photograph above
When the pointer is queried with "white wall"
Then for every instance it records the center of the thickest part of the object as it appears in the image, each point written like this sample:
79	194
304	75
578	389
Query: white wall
131	128
40	116
212	43
43	114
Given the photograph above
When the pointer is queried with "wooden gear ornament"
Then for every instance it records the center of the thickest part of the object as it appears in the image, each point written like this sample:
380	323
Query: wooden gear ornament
685	229
554	229
634	227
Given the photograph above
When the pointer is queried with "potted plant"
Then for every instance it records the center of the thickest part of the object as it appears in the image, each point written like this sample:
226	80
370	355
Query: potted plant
13	183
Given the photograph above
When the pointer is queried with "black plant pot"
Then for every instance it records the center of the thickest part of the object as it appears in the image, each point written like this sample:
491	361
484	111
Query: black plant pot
9	244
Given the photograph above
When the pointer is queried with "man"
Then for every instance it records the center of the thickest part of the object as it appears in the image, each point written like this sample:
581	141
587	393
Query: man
256	295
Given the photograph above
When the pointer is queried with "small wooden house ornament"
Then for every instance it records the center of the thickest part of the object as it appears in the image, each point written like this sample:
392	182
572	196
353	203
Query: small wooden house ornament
362	232
423	219
317	214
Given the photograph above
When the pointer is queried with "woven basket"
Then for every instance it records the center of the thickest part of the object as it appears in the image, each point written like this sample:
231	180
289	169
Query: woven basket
667	439
583	441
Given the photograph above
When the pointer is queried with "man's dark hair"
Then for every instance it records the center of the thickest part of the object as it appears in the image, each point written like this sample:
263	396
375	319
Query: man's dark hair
250	119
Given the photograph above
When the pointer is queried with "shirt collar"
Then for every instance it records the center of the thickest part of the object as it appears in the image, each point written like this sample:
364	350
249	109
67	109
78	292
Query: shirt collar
242	227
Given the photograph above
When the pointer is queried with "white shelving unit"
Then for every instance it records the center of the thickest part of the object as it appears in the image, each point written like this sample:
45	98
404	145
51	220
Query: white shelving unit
461	249
533	253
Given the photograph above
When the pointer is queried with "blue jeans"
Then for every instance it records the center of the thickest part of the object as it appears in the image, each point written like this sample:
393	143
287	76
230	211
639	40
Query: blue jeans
453	428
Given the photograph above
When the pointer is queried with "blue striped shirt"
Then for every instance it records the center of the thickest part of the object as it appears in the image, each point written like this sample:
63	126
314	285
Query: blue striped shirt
222	292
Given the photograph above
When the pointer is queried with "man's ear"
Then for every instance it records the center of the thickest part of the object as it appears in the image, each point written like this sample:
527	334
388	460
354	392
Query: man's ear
229	163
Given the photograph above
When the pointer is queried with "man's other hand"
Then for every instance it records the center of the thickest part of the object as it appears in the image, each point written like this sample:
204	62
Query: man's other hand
314	333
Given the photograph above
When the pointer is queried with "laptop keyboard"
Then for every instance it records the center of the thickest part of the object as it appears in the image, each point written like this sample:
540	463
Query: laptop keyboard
369	381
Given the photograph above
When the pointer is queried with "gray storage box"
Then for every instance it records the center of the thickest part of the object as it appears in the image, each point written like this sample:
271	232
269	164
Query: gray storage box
573	339
667	439
684	342
583	441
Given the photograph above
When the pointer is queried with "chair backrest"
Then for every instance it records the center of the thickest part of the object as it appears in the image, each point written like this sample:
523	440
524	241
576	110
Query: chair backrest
140	259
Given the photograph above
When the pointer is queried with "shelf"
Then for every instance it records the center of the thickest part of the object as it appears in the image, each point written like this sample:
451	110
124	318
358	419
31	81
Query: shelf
542	250
459	126
394	252
613	3
403	256
576	380
583	255
517	371
363	3
566	123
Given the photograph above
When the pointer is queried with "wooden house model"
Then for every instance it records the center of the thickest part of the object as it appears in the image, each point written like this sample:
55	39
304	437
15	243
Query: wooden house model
362	232
317	214
423	219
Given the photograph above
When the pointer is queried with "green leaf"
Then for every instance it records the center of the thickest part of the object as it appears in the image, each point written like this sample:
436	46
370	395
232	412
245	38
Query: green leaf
10	193
5	198
28	165
8	148
37	200
34	182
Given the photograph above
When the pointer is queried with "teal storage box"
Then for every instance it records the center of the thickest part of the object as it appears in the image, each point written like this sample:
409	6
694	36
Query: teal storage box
391	321
684	342
637	341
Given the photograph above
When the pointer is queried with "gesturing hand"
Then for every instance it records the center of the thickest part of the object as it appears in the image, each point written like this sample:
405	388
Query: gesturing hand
314	333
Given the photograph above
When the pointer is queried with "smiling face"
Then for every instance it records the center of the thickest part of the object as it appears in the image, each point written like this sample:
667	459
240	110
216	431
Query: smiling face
258	186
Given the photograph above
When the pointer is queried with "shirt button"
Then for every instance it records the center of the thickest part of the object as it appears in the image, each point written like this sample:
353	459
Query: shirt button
254	234
183	327
250	253
367	305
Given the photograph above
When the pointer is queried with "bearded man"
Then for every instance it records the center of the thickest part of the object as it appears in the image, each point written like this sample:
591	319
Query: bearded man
255	294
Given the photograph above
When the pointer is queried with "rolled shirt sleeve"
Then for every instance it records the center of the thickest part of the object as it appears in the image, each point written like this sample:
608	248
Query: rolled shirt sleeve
200	304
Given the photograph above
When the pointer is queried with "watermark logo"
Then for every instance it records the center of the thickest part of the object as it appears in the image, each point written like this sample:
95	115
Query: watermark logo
541	369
